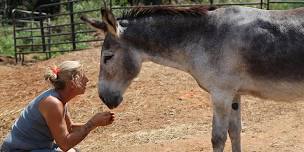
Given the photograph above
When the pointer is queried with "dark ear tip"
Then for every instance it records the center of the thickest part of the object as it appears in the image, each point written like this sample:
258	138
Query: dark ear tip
83	18
104	10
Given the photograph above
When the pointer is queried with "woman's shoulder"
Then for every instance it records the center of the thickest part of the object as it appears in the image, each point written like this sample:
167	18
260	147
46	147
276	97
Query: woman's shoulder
52	101
51	104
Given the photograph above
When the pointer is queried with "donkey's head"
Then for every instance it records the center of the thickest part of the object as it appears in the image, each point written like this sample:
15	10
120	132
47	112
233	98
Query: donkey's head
118	64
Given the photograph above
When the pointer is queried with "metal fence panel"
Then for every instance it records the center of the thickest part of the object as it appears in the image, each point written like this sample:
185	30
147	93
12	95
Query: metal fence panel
63	31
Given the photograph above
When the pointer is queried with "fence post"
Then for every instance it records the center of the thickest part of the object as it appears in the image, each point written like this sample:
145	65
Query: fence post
32	39
42	35
261	4
70	5
267	4
49	36
211	2
42	32
110	4
14	30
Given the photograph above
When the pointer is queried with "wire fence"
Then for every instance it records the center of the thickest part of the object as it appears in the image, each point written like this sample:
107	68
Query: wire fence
36	32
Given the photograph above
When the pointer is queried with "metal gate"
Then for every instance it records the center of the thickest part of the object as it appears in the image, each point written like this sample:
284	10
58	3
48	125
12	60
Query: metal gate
36	32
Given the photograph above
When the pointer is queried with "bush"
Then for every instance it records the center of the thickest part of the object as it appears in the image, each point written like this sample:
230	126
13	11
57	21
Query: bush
6	41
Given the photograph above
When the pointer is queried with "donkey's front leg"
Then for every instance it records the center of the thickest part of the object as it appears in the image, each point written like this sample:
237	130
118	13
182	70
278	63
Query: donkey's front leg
221	115
235	125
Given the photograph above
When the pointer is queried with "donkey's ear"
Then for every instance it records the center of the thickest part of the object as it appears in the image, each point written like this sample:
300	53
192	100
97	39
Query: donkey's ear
99	25
110	21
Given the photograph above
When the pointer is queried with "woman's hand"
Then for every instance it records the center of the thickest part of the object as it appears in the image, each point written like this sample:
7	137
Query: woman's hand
102	119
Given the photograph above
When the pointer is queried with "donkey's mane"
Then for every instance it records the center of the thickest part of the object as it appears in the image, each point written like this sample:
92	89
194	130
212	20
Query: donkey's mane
140	12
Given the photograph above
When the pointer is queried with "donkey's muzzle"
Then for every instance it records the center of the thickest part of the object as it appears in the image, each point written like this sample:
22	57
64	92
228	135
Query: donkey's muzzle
112	100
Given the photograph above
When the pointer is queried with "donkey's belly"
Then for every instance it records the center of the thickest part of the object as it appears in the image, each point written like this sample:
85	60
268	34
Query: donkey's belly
279	91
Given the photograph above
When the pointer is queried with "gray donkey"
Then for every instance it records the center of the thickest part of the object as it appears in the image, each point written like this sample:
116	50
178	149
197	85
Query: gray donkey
229	51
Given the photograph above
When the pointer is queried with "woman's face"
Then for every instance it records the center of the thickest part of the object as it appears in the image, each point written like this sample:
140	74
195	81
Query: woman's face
80	82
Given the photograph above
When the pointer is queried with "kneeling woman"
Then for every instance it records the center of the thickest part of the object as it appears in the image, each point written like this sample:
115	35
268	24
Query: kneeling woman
45	119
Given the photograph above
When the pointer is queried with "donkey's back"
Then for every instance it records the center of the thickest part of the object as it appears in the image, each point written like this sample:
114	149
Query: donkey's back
269	46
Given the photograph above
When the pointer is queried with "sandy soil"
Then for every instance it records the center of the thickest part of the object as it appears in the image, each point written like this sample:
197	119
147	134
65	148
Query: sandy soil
164	110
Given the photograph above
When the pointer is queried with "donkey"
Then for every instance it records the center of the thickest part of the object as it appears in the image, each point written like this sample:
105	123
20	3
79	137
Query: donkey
229	51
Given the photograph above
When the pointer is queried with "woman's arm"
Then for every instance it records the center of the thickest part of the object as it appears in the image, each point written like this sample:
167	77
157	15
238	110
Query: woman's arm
71	125
53	111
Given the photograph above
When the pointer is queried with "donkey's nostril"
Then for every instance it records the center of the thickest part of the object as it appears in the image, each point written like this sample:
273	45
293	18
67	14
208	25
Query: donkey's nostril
112	100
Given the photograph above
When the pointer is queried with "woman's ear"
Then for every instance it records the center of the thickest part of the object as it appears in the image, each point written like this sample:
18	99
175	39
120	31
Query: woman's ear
73	84
76	81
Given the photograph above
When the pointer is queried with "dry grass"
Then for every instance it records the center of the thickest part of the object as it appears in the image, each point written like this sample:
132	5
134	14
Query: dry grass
163	110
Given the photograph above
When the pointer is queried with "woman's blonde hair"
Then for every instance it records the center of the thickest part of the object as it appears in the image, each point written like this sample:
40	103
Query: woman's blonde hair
58	76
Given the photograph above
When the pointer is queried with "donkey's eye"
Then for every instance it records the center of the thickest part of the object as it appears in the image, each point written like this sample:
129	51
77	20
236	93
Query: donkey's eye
107	58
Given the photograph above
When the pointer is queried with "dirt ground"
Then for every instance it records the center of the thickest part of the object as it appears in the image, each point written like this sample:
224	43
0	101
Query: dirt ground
164	110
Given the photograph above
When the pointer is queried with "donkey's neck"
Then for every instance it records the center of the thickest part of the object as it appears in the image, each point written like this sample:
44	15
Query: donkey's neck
175	63
166	41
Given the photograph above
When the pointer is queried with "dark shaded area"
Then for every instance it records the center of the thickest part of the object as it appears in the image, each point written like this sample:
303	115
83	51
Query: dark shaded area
275	54
50	9
235	106
30	5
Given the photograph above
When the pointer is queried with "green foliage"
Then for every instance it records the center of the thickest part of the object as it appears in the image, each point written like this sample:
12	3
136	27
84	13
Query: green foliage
233	1
6	41
285	6
39	57
120	2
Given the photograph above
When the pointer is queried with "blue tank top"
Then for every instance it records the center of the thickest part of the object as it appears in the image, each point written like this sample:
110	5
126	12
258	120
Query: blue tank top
30	131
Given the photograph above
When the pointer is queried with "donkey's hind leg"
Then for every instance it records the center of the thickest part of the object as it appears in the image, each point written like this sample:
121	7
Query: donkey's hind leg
235	125
222	101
